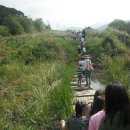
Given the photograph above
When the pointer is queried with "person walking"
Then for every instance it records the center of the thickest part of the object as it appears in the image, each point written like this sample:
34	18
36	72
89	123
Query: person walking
95	120
84	50
79	49
97	110
97	104
88	71
79	74
84	33
78	121
79	57
117	108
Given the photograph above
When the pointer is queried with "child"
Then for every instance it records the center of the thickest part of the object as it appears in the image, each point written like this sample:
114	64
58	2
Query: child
79	74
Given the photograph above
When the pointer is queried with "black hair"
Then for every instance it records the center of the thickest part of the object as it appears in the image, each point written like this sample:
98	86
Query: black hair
97	106
98	102
79	107
117	100
98	92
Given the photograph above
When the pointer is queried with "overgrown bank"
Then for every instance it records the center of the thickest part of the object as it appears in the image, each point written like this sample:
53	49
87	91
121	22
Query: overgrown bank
110	51
35	74
35	81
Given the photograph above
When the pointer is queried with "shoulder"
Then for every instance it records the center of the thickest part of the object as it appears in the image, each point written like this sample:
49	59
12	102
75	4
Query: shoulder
70	117
98	115
84	120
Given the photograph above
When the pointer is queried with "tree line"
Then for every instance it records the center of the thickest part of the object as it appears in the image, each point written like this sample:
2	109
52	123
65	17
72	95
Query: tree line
14	22
121	25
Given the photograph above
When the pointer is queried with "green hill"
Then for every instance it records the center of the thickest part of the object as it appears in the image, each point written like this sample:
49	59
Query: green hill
14	22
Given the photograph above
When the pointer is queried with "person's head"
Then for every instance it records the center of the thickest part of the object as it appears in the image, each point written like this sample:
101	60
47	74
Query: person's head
98	102
116	98
79	108
98	92
97	106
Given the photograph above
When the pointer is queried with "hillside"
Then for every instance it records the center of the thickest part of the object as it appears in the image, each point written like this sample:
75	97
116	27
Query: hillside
14	22
38	65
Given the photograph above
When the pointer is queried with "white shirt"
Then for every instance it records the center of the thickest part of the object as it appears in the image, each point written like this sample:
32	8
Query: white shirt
83	62
82	40
84	49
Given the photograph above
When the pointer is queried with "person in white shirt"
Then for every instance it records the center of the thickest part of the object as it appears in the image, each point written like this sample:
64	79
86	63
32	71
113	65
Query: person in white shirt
82	40
83	62
84	50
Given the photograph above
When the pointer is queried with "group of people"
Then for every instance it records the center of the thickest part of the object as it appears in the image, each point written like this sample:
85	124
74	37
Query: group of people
84	64
78	35
84	68
110	110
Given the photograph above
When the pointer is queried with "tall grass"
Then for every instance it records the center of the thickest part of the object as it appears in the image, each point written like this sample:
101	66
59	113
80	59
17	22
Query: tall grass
117	71
34	96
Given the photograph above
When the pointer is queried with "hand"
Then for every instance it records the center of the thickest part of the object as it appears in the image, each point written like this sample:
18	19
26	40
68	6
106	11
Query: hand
62	123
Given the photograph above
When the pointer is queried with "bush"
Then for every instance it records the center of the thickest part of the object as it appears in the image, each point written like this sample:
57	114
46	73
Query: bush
4	31
13	25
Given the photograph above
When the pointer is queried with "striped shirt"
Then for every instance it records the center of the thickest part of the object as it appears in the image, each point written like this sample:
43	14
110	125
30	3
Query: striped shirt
79	71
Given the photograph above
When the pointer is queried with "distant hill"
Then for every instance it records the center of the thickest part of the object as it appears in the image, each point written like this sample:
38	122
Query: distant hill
103	27
14	22
99	26
75	28
5	12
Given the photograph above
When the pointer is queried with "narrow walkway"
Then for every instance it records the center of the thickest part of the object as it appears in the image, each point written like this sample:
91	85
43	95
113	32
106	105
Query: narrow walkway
82	93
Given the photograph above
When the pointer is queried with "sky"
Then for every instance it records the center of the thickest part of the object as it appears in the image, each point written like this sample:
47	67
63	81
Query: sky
62	14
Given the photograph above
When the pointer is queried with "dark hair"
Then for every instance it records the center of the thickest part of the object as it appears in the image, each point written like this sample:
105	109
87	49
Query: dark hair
79	107
98	92
97	106
98	102
117	100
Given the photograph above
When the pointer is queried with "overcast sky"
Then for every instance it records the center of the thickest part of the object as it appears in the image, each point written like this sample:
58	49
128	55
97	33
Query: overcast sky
62	14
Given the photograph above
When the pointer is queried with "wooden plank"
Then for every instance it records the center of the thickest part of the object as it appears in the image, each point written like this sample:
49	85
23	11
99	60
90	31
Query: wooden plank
84	99
83	95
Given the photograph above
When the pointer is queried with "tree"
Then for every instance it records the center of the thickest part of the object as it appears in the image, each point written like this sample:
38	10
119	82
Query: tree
39	25
118	24
6	12
27	24
48	26
13	25
128	27
4	30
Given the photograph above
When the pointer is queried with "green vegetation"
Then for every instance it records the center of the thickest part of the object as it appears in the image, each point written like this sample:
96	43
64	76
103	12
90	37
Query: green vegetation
121	25
110	51
35	73
37	66
14	22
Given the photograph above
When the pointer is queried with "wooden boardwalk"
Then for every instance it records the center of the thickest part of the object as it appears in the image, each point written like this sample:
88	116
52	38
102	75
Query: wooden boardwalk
82	93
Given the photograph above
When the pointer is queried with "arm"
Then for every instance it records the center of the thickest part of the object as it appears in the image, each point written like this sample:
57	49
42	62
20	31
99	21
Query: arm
62	124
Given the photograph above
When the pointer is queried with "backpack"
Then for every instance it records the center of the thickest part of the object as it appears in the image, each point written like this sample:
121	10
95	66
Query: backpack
89	65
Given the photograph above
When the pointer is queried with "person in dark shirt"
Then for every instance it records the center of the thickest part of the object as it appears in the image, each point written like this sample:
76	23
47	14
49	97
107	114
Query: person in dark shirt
117	108
78	121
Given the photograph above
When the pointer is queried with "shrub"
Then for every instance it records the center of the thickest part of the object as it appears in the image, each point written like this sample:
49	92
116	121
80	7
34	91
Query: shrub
4	31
